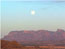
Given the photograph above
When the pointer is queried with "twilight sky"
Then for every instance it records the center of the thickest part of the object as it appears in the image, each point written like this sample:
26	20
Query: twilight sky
32	15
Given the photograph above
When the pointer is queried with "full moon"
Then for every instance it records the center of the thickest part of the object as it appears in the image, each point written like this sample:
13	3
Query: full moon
32	12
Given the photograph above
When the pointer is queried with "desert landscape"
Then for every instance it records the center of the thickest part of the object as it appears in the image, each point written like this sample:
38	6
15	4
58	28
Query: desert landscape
15	45
41	39
32	24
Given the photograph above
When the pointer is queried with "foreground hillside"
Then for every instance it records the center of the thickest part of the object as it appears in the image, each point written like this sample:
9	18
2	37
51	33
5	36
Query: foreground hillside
11	45
39	37
15	45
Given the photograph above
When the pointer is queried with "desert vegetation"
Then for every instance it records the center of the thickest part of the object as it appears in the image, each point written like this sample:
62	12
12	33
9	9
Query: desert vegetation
15	45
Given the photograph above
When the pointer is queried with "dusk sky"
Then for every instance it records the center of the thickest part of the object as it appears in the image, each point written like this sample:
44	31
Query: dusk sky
32	15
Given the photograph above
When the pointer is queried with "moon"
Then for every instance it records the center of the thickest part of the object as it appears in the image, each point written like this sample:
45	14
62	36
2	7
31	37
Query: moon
32	12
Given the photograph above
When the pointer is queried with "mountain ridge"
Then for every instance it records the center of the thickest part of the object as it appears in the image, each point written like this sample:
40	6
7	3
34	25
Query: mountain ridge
36	37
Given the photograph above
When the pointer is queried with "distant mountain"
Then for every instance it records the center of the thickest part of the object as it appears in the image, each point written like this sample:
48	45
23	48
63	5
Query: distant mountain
39	37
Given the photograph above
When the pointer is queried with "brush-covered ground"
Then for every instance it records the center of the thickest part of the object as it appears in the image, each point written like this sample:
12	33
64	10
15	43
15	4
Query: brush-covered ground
15	45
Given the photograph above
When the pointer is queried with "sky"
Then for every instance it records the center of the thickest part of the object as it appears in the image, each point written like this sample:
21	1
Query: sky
32	15
33	0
